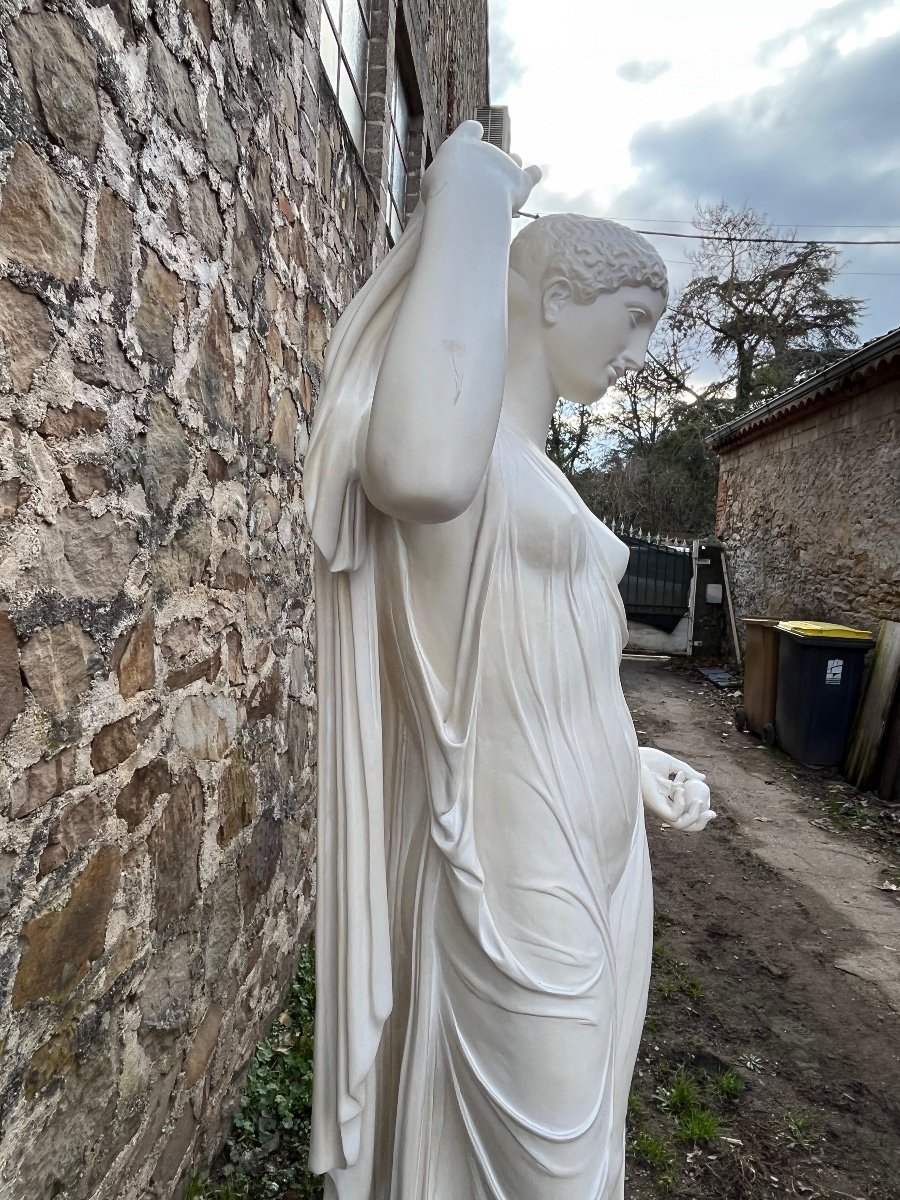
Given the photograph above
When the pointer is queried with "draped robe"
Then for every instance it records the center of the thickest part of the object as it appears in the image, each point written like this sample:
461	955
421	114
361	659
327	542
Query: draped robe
484	915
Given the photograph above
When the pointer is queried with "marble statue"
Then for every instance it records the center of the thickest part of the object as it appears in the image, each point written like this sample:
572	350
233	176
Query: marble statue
484	909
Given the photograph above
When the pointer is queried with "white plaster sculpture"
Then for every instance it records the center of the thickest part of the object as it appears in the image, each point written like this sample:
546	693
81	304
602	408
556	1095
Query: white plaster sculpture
484	914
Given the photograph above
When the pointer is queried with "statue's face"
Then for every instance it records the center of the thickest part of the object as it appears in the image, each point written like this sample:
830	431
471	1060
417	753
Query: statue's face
588	346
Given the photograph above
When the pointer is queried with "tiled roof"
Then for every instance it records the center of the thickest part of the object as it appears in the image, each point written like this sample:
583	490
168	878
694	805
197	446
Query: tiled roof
853	373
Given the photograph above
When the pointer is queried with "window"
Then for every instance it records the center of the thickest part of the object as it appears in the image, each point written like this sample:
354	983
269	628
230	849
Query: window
398	161
344	46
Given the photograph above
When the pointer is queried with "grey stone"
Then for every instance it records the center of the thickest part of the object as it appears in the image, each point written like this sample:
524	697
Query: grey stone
112	256
221	143
205	220
164	454
58	73
284	429
205	726
159	291
84	556
12	695
84	480
57	663
171	83
25	332
211	383
41	217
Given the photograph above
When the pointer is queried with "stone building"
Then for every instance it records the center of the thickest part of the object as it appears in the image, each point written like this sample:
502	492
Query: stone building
189	195
809	494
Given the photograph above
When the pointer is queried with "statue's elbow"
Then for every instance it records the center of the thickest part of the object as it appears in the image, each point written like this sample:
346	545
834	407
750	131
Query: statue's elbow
411	496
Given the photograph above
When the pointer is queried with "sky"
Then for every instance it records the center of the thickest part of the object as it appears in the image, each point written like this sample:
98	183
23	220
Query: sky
641	110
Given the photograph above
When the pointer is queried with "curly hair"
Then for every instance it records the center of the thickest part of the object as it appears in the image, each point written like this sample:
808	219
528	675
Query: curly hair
592	254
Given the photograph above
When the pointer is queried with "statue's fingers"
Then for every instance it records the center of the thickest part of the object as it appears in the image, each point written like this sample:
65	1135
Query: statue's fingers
534	173
517	159
472	131
682	767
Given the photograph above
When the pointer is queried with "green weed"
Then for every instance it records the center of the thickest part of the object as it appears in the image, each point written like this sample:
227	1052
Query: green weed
729	1085
699	1126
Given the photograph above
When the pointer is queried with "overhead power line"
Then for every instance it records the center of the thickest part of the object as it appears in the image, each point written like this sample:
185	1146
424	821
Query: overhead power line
775	225
718	237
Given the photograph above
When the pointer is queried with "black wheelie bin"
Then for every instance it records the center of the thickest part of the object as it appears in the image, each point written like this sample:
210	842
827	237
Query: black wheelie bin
820	669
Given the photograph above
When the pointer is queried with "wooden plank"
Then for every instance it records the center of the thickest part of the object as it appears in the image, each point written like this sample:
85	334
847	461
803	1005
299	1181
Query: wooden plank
730	604
875	707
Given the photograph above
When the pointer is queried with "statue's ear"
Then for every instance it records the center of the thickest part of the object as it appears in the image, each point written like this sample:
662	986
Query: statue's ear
557	294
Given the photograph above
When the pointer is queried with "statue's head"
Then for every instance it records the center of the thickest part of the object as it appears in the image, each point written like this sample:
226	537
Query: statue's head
596	290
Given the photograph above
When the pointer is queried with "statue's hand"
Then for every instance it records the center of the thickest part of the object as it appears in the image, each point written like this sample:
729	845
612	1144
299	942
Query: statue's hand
674	791
464	157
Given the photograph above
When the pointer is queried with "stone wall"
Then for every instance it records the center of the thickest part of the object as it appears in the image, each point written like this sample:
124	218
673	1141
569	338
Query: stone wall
182	218
810	513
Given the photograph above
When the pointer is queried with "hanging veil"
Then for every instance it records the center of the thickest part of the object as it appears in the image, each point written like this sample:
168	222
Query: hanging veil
353	953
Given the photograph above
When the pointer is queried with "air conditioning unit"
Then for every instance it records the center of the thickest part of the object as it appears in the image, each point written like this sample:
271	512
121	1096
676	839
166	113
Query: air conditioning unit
495	119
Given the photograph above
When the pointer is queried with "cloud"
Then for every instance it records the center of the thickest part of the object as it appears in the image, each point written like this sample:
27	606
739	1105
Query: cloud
821	148
822	31
506	68
642	72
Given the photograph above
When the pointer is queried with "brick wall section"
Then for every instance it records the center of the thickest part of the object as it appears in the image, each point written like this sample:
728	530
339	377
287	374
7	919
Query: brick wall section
810	513
182	218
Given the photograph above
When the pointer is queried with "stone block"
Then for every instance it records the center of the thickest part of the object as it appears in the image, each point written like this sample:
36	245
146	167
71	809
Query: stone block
174	844
255	406
159	295
221	144
203	1045
84	480
207	668
142	791
12	694
164	997
45	780
237	798
115	232
284	429
41	217
75	826
205	219
199	10
133	659
168	1165
221	924
60	946
205	726
211	383
183	563
11	491
54	1058
57	70
172	87
258	862
164	454
57	664
25	332
232	572
119	740
266	699
67	422
83	556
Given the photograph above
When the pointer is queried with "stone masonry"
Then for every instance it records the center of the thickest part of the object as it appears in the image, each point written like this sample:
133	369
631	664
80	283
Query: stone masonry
183	216
810	513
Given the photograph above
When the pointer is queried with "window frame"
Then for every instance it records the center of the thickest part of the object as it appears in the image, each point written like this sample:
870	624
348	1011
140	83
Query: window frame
345	71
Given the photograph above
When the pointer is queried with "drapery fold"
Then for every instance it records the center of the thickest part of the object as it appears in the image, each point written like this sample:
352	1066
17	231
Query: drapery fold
353	954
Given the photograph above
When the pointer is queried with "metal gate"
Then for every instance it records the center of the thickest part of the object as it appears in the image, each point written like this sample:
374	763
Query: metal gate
658	592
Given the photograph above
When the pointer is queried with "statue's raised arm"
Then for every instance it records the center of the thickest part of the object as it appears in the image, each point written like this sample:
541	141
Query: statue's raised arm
438	395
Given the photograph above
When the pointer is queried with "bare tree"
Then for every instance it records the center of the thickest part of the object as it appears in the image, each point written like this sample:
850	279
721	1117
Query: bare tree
761	307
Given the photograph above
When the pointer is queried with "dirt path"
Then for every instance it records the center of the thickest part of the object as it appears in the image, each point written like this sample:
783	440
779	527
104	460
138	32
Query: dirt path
776	993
